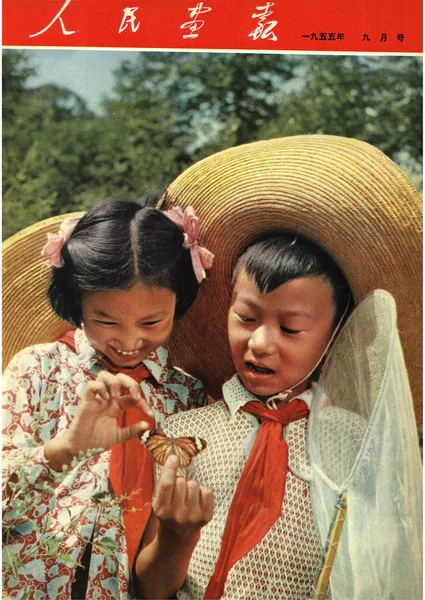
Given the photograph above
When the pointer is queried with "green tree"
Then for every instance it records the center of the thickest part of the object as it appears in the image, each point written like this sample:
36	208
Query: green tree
46	142
378	100
50	174
217	99
16	70
66	158
171	109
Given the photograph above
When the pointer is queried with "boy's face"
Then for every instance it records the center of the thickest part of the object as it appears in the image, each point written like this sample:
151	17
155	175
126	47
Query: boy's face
276	339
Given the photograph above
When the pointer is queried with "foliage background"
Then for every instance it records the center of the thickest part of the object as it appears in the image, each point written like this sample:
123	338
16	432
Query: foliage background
167	110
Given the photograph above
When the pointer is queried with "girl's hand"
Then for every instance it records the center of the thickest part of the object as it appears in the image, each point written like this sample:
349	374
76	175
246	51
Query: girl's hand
181	506
95	422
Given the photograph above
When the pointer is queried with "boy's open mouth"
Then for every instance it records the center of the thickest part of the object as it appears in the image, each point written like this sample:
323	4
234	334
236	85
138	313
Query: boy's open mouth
259	370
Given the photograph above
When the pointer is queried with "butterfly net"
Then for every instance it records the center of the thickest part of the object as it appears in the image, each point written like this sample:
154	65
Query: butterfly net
363	442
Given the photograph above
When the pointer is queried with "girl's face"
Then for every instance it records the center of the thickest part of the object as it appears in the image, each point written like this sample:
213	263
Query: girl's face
276	339
127	325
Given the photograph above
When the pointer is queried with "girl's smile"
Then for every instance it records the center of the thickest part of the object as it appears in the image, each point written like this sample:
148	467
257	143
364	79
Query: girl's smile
127	325
119	357
277	338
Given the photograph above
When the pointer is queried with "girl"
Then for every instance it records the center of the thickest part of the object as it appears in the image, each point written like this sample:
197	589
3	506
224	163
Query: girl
264	536
122	274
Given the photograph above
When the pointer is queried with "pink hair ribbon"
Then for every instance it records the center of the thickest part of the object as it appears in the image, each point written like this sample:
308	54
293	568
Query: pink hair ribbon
55	241
201	257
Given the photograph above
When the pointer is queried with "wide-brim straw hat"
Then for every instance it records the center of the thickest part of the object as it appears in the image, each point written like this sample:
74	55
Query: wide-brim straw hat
342	193
27	318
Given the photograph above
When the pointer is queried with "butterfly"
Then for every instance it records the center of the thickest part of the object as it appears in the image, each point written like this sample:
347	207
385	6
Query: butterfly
161	446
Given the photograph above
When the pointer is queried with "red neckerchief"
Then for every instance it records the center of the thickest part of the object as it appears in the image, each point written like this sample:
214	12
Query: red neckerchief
130	466
257	502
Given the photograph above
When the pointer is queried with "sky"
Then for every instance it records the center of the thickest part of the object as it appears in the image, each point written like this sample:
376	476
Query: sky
88	73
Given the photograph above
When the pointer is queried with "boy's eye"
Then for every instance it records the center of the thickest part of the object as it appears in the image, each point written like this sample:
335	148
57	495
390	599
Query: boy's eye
289	331
104	322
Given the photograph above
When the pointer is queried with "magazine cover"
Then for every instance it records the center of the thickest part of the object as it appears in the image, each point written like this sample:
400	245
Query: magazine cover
212	250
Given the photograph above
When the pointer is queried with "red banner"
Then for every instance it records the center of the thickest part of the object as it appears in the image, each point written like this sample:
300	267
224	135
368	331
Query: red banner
293	25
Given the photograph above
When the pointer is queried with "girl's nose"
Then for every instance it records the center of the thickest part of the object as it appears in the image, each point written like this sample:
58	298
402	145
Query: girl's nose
261	341
131	340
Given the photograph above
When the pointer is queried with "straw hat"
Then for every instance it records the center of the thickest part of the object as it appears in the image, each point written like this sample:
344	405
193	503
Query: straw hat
26	315
342	193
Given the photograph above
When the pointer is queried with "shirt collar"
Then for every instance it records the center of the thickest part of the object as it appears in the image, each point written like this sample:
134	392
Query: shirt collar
156	363
235	395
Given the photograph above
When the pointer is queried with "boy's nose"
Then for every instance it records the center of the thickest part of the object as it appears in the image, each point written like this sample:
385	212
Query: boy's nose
261	341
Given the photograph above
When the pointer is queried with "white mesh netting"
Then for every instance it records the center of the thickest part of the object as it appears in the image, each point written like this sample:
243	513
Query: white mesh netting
284	563
363	441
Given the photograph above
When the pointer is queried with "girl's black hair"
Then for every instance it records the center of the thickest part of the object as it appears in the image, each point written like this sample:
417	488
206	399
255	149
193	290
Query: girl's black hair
276	258
114	245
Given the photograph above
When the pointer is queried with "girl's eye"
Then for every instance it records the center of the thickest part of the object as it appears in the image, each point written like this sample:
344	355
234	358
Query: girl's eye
245	319
289	331
150	323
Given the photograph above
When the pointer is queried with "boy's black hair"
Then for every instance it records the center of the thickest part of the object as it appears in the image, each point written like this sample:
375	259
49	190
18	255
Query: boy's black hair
114	245
276	258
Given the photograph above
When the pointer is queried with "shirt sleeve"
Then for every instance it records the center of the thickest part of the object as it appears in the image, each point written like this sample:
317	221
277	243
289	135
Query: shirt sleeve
23	443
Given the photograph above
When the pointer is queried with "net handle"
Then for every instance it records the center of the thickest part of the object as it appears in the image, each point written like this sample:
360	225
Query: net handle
326	564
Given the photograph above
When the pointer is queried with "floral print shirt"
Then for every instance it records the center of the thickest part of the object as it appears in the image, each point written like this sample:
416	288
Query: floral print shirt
49	518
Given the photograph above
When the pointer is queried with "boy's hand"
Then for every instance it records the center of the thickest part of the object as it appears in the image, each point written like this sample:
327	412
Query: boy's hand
182	506
180	509
95	422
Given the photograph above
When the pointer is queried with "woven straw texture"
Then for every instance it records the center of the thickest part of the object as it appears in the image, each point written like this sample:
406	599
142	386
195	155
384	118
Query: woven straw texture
343	193
27	317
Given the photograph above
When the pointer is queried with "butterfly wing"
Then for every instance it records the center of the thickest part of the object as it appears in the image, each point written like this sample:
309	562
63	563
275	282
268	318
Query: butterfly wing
158	444
188	447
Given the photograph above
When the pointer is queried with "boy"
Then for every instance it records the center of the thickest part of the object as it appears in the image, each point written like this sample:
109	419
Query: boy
288	298
258	544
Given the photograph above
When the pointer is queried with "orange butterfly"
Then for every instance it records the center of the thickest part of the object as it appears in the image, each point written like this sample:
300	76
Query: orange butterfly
161	446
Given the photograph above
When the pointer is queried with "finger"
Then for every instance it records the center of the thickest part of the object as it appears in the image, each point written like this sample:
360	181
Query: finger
137	429
94	389
105	377
165	486
193	495
128	401
144	406
179	499
118	382
207	503
132	431
123	383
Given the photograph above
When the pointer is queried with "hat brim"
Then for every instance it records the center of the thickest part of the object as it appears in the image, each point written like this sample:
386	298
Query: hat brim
26	315
342	193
